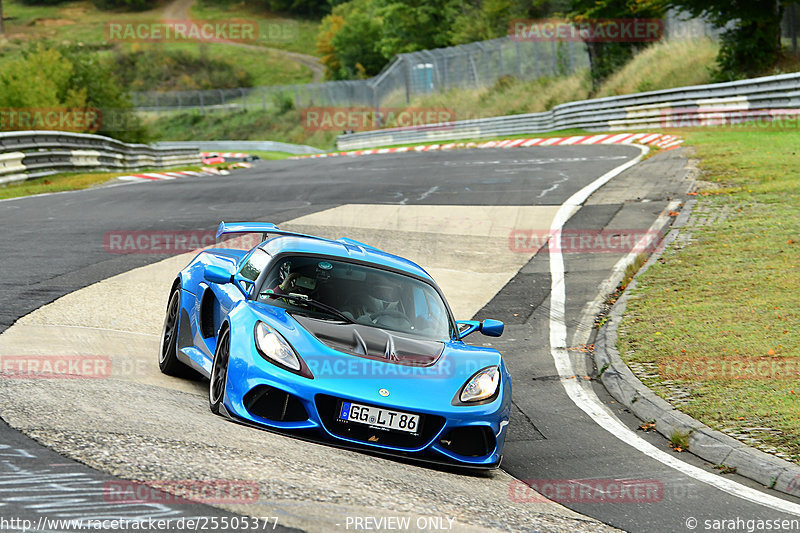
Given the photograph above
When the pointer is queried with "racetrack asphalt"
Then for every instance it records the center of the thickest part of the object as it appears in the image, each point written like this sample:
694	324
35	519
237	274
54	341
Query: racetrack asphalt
55	245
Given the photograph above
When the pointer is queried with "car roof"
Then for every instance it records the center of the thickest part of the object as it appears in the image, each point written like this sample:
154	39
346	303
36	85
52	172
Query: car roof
345	249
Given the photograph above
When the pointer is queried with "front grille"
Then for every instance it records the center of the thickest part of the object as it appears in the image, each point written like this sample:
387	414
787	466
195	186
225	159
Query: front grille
471	441
328	408
270	403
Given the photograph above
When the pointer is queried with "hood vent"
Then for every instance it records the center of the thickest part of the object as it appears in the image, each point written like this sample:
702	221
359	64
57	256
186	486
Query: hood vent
372	342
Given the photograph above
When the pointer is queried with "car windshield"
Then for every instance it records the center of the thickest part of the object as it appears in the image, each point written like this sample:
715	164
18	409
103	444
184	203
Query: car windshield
363	294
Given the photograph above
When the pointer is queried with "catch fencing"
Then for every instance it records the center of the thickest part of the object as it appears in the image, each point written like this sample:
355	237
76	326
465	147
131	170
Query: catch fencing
473	65
32	154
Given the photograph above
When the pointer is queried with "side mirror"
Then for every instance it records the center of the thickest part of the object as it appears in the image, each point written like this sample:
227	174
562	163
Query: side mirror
492	328
489	327
217	274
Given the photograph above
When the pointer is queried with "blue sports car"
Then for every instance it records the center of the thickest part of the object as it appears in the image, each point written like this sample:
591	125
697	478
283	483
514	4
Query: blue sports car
339	341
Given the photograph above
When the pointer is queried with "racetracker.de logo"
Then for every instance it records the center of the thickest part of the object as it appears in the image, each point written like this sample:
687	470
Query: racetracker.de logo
55	366
584	241
590	30
368	118
173	242
586	490
50	119
175	31
180	491
756	119
731	368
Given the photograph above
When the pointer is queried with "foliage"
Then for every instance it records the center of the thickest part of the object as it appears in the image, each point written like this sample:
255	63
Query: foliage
306	8
120	5
605	58
359	37
750	43
69	79
479	20
348	41
162	69
414	25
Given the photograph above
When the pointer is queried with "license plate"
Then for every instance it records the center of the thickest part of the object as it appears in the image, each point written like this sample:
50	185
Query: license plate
382	418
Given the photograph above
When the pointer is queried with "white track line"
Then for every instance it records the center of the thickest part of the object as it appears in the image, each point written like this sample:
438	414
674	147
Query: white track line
589	403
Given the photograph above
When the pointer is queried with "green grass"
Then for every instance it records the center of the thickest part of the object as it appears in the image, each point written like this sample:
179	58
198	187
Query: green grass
81	22
664	65
275	31
69	181
732	293
267	155
267	67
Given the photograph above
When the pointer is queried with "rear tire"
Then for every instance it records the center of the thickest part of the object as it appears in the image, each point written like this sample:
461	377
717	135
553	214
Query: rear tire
168	355
219	372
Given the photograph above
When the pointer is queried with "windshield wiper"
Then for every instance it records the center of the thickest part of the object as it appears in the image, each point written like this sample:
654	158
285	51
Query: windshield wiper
295	297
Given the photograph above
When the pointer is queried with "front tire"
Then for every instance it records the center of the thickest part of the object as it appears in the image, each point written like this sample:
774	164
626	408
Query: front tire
219	372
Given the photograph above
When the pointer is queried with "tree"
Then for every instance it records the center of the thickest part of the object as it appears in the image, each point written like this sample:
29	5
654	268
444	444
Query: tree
415	25
348	40
751	40
49	79
606	57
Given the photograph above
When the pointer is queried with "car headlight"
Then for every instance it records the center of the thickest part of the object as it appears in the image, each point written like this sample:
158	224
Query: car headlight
273	346
482	385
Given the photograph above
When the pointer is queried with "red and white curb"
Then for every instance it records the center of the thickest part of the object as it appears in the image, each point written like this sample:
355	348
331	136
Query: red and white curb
158	176
665	142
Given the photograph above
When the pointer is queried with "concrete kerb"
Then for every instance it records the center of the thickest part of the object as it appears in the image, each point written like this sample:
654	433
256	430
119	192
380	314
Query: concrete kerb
708	444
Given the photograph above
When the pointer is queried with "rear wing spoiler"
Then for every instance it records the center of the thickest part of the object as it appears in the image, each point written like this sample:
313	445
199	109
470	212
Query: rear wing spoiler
233	228
267	228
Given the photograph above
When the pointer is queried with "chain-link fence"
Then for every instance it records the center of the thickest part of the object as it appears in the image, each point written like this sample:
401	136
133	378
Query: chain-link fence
408	75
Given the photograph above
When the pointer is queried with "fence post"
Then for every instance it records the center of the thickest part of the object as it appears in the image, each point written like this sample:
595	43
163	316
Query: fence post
406	79
519	60
571	56
474	69
500	58
202	107
244	98
554	57
263	99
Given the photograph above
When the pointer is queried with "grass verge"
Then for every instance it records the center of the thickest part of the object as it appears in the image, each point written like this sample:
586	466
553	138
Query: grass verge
68	182
731	296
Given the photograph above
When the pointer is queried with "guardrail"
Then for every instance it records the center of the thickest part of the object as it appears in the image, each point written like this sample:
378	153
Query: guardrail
33	154
699	105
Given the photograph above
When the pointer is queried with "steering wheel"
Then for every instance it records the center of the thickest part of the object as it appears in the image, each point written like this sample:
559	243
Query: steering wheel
393	314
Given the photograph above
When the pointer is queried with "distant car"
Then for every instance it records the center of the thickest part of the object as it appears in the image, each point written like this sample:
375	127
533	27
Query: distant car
212	158
338	341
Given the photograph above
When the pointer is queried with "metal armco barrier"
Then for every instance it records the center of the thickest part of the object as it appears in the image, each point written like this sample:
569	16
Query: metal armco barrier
32	154
700	105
